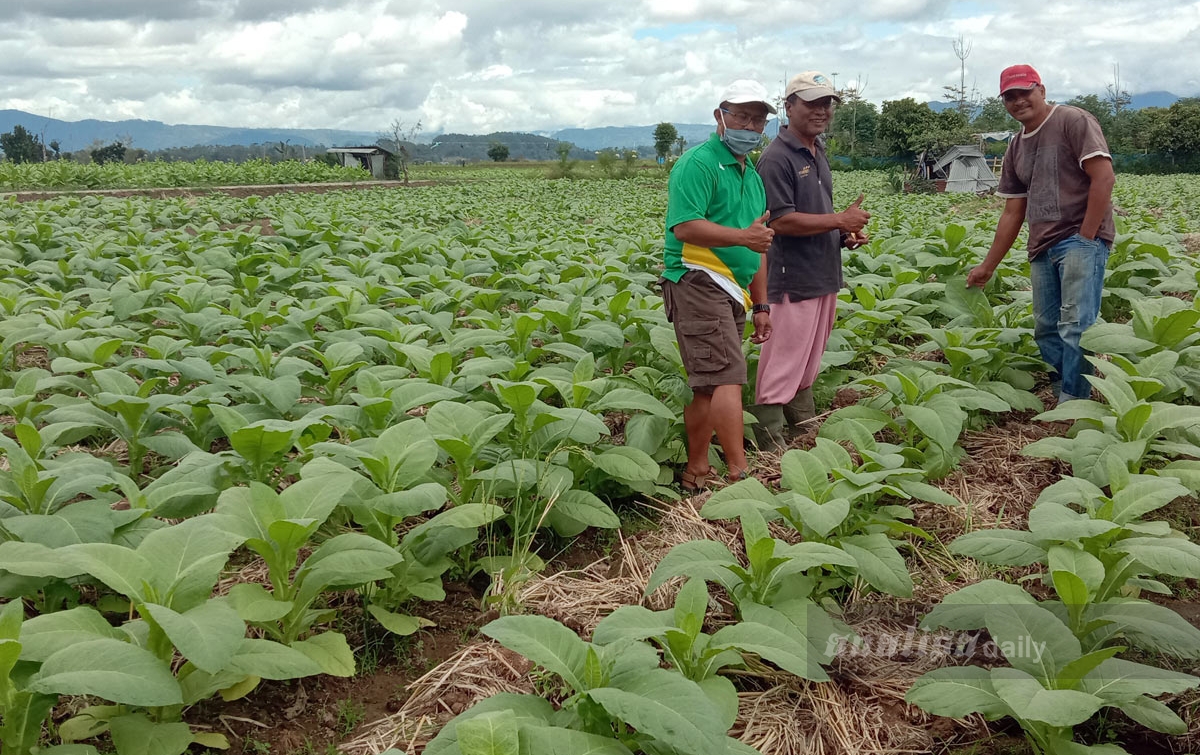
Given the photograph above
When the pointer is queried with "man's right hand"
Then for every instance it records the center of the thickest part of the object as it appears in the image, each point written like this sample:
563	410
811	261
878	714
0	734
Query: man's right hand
853	218
979	276
758	235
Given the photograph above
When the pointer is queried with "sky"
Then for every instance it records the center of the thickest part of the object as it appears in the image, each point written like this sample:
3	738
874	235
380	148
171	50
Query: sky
475	66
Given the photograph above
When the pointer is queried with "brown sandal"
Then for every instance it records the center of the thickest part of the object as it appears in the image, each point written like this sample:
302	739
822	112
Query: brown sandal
738	476
694	482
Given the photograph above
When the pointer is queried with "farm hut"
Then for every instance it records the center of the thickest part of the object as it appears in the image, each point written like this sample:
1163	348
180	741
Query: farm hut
964	169
370	158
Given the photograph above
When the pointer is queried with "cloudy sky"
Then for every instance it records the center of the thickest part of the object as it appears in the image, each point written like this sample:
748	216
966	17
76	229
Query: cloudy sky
478	66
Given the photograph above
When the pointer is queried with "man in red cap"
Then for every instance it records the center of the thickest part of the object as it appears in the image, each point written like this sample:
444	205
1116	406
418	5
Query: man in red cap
1058	176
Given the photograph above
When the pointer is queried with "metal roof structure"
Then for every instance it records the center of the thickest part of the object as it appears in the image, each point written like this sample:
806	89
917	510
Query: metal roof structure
965	169
374	149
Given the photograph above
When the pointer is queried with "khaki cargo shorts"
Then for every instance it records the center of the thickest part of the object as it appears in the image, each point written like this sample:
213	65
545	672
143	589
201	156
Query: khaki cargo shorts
708	326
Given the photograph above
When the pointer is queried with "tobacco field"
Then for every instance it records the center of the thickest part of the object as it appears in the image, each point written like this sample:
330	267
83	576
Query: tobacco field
393	471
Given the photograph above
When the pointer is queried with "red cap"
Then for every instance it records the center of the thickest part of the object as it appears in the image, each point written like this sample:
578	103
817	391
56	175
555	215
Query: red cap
1019	77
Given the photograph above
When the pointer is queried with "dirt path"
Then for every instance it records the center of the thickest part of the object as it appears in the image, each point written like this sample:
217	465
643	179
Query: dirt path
235	191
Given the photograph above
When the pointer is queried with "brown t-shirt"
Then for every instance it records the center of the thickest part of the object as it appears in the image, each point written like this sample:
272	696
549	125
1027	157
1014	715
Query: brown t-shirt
1046	167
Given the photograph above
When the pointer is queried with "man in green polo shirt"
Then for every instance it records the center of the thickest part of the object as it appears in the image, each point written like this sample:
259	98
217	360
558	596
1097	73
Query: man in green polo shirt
715	238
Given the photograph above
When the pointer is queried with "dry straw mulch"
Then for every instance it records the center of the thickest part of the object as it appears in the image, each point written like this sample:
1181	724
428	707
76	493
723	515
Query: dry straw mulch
861	710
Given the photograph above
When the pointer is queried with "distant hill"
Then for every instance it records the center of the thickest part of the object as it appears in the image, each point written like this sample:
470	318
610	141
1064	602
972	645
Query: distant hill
1148	99
154	135
472	147
623	137
1153	99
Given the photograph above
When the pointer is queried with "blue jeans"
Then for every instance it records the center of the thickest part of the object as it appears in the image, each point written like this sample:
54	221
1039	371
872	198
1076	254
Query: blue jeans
1067	279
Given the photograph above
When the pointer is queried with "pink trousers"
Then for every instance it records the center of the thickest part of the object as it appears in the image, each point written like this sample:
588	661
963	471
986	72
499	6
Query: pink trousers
791	357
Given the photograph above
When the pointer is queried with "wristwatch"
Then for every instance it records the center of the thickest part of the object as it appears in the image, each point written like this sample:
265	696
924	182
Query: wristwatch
761	308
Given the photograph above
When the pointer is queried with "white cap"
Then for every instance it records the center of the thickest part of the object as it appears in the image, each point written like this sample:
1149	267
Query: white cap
746	90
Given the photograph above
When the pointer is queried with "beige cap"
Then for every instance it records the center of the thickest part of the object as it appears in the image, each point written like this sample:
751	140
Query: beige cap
811	85
746	90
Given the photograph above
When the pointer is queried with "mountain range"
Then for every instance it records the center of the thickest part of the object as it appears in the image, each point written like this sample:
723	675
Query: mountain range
1137	102
155	135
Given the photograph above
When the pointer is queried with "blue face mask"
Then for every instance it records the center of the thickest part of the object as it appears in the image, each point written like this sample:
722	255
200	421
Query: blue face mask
740	141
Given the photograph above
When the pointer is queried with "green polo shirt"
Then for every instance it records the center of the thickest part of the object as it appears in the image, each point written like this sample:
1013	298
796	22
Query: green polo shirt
708	183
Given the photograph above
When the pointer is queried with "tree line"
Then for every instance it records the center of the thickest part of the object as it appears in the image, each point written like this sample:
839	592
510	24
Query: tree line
1167	138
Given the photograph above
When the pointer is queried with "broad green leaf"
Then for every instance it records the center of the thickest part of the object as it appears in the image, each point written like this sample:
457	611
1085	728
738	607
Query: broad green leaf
397	623
253	603
1117	681
999	546
123	570
821	518
489	734
731	500
1030	701
111	670
44	635
586	508
1082	565
1154	715
771	635
629	400
668	707
626	463
331	652
528	709
545	642
187	560
1175	556
1054	521
1150	626
1143	494
956	692
705	559
36	560
633	622
804	473
271	660
1033	639
207	635
967	608
879	563
136	734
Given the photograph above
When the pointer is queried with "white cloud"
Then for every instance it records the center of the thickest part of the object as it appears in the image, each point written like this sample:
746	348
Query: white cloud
476	65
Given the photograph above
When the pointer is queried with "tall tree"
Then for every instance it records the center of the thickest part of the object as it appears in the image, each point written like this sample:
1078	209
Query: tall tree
665	135
900	122
993	116
1101	108
21	146
111	153
401	135
1118	99
1177	130
498	151
964	100
855	120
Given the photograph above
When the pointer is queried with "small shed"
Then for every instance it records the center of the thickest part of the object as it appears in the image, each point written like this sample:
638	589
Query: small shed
369	158
964	169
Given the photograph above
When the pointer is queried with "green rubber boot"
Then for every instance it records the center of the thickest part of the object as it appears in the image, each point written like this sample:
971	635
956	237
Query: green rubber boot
800	409
769	430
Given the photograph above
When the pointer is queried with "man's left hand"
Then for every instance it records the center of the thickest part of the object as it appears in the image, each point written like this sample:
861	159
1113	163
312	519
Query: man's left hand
762	327
855	240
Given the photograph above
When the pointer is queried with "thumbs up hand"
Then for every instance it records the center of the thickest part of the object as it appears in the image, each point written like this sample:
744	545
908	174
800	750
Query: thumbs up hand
852	219
758	236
